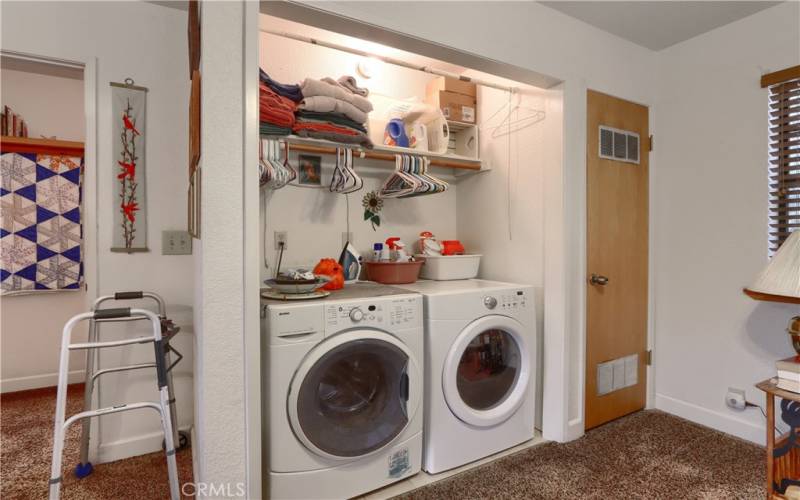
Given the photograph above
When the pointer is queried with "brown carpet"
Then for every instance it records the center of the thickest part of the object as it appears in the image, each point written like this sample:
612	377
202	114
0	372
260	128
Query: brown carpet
26	429
649	454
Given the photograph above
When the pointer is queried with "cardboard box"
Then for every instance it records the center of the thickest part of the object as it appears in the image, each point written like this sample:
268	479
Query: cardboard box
455	107
452	85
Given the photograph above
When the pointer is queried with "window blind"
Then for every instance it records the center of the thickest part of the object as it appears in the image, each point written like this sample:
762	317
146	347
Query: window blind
784	161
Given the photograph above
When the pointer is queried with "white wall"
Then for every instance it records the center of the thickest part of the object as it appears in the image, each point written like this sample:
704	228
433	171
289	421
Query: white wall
51	106
156	57
710	219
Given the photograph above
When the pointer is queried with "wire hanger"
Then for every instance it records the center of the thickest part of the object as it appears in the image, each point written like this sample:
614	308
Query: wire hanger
509	126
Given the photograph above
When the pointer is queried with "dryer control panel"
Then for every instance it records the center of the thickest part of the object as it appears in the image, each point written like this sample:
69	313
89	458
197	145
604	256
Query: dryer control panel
405	312
506	300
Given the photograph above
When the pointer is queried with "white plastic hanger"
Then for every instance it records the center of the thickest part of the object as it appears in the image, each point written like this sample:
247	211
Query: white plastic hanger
345	179
410	178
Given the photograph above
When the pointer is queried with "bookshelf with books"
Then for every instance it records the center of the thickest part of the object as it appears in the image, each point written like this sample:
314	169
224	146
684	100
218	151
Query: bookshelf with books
12	124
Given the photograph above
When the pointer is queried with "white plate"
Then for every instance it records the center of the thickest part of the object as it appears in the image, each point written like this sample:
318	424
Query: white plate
271	294
289	288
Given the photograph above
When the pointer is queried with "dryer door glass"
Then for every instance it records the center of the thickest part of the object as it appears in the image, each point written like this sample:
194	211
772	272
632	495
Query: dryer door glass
488	369
353	399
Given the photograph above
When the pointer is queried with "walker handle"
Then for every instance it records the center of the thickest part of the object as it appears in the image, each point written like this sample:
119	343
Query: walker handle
128	295
119	312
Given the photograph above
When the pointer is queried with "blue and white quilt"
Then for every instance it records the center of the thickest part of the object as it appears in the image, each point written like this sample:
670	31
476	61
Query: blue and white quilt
41	237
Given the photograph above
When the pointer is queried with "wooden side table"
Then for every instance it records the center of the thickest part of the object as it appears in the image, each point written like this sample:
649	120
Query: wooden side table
786	466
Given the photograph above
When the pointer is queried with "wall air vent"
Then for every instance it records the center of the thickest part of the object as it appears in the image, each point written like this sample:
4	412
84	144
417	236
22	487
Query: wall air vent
619	145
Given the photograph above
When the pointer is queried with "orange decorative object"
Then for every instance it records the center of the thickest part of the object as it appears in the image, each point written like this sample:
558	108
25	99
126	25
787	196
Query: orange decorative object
452	247
330	267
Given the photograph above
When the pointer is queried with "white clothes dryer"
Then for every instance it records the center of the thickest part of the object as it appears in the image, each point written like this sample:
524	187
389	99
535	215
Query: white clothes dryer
480	343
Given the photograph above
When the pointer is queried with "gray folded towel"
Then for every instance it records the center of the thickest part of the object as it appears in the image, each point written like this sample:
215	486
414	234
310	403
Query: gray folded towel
314	88
349	82
327	104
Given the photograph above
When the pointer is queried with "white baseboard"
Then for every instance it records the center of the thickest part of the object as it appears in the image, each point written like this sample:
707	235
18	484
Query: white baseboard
132	446
575	429
38	381
710	418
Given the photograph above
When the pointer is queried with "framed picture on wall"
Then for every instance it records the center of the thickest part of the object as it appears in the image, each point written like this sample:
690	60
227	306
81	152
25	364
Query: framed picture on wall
310	170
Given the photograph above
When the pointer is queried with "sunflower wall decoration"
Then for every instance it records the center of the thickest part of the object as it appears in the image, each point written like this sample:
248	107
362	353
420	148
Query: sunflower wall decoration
372	205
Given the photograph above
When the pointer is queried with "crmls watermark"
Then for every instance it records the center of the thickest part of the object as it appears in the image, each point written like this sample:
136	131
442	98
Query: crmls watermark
214	490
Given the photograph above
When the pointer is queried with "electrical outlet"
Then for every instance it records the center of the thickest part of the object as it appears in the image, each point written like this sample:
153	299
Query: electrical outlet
347	237
281	237
176	243
735	399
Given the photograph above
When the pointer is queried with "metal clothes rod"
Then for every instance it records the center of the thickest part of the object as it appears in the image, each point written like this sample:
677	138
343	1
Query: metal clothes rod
390	60
377	155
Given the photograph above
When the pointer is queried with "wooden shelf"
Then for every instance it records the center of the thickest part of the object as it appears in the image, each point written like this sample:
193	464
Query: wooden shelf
10	144
379	152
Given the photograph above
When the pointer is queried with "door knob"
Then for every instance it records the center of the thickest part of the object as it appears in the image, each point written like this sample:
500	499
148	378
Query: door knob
598	279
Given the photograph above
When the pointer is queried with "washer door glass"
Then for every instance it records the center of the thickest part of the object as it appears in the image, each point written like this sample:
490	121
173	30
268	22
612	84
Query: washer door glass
488	369
352	401
486	373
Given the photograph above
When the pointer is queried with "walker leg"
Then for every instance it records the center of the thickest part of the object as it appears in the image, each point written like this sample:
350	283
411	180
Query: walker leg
61	409
172	463
171	392
84	467
166	417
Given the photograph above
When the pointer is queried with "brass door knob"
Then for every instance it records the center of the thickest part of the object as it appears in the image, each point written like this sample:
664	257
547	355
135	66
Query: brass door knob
598	279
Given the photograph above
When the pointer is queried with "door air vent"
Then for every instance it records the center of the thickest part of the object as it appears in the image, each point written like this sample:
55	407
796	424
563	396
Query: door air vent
619	145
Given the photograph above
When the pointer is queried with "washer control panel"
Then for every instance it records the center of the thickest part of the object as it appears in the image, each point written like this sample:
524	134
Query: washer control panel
355	314
403	312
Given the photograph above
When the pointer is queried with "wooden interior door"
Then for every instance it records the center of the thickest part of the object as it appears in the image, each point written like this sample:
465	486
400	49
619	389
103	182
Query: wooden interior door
617	247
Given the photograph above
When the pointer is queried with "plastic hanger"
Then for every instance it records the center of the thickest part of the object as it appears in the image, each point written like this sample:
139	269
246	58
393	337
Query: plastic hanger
345	179
397	184
267	177
290	171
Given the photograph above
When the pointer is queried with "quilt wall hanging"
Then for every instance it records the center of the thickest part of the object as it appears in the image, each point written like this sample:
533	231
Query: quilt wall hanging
129	233
41	237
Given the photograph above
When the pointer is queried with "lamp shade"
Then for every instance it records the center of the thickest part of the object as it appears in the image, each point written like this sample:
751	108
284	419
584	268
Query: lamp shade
780	280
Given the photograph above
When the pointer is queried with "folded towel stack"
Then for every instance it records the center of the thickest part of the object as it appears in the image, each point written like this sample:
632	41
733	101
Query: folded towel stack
277	105
334	111
291	92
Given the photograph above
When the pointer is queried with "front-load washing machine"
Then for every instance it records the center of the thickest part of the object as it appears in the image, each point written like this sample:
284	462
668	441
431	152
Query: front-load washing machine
480	343
343	383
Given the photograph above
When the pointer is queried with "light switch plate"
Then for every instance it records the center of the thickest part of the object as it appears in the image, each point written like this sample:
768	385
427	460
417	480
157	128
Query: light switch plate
176	243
